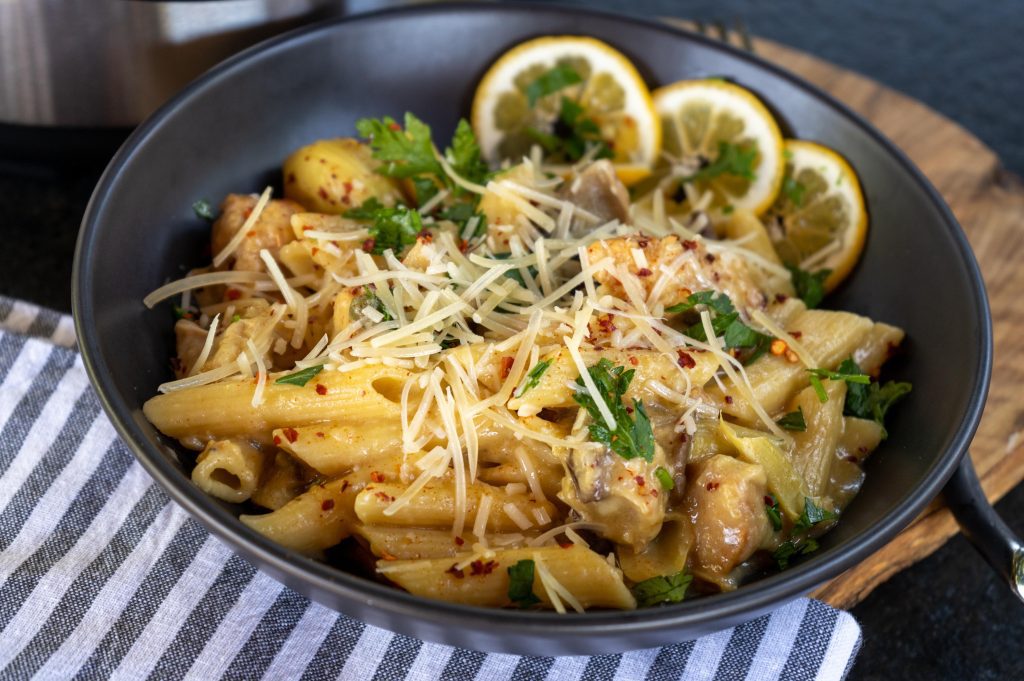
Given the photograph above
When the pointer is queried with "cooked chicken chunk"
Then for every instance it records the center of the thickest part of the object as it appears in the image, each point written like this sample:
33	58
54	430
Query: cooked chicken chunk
688	264
725	502
272	230
598	190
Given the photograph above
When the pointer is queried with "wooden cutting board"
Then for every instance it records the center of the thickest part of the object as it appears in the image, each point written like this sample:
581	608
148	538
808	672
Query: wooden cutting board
989	203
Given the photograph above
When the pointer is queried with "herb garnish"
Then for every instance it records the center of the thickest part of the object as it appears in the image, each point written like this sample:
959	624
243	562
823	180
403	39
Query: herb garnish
665	478
731	160
794	547
810	286
301	378
847	371
551	81
391	228
771	507
794	190
203	209
872	401
572	136
812	515
369	298
725	321
532	377
520	584
632	437
794	420
802	544
662	589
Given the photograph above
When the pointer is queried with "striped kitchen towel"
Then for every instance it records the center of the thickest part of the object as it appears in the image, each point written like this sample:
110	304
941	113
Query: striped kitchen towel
102	576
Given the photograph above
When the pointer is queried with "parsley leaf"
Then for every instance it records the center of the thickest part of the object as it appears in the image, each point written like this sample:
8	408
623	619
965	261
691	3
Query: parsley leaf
551	81
794	420
301	378
533	377
794	547
662	589
204	210
520	584
874	400
848	371
726	321
771	507
810	286
732	160
631	438
572	136
392	228
794	190
665	478
406	152
370	299
812	515
461	213
464	155
719	303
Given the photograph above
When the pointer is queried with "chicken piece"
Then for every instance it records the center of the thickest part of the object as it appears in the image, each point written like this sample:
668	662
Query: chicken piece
624	495
725	502
189	339
598	190
691	268
272	230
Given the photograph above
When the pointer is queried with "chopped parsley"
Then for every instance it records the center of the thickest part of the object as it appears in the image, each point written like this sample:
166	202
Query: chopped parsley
731	160
632	436
236	318
794	420
301	378
203	209
551	81
572	136
533	377
794	190
520	584
662	589
465	157
794	547
406	153
390	228
771	508
848	371
812	515
725	321
872	401
810	286
665	478
801	544
369	298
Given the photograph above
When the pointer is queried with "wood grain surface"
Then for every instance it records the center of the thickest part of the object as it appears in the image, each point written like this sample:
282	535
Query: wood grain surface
989	203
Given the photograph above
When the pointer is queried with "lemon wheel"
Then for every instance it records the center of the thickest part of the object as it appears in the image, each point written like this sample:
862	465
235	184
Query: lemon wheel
719	138
819	220
520	102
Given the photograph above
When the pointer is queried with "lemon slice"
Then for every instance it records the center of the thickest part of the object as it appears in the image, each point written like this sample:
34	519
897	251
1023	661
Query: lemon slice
599	79
702	118
818	220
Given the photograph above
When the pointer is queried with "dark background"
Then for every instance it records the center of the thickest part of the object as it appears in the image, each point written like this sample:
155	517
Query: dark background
948	617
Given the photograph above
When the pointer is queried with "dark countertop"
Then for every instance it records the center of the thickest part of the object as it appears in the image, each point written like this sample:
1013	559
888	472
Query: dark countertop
948	617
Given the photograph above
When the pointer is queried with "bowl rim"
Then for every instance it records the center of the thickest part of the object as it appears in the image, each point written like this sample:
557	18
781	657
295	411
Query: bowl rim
320	578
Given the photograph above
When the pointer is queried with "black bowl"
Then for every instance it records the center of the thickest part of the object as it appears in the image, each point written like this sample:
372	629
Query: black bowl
230	131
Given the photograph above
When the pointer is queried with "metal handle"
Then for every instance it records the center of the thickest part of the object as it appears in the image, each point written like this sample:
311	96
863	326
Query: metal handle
983	527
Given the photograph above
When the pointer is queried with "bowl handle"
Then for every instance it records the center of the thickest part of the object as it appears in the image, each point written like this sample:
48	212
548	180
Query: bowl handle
983	527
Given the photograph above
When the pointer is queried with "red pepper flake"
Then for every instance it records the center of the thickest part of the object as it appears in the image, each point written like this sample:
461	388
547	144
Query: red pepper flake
633	360
345	485
251	233
314	250
277	439
565	544
327	505
291	434
728	399
643	272
654	493
459	574
247	212
459	541
710	258
347	185
852	459
368	245
640	481
478	567
384	496
322	193
792	357
377	476
781	297
425	236
779	347
291	178
690	245
607	323
233	294
711	486
463	245
506	366
321	389
796	334
642	242
768	501
319	433
387	556
323	161
685	360
394	126
629	410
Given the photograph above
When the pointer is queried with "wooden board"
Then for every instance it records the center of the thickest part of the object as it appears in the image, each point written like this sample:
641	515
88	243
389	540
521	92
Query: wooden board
989	203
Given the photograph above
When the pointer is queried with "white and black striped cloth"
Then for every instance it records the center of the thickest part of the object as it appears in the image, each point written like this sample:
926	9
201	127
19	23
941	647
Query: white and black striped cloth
102	576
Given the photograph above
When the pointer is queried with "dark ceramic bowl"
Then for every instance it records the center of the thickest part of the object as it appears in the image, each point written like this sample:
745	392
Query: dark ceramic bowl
230	131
